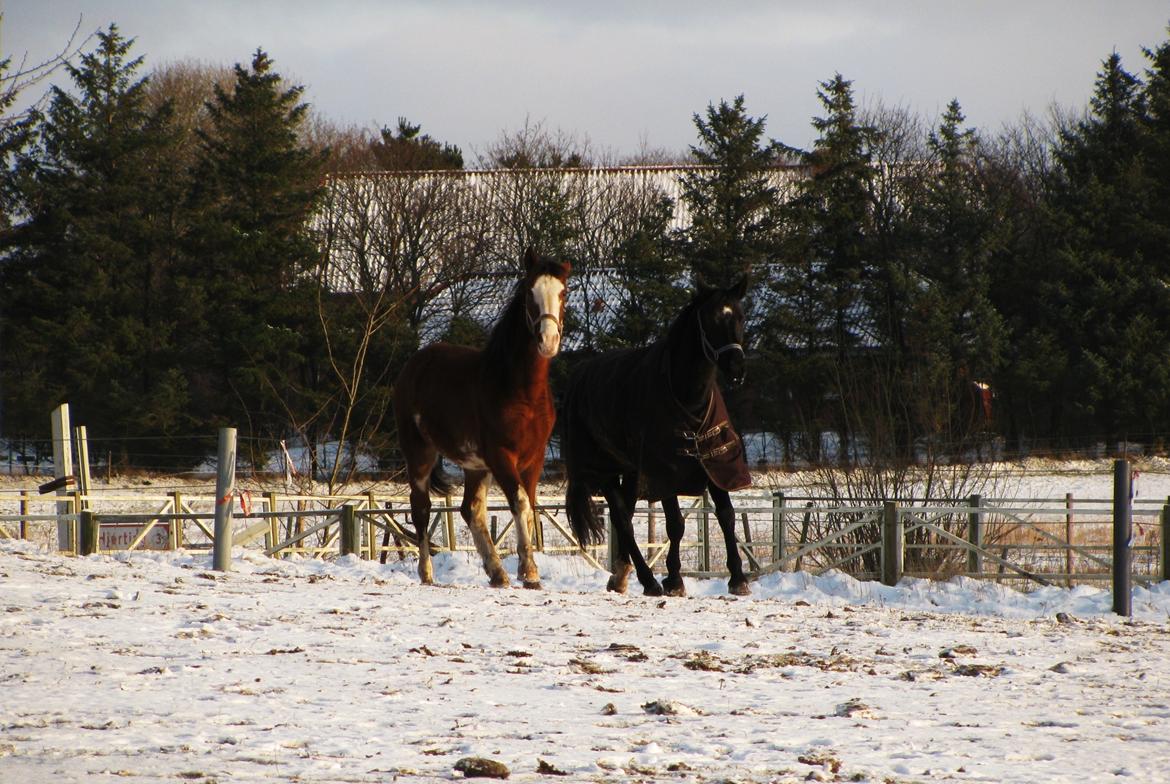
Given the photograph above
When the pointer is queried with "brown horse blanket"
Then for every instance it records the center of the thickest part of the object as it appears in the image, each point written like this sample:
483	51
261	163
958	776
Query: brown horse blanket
717	447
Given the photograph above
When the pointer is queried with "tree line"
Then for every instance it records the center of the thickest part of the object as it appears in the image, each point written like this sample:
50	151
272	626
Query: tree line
192	247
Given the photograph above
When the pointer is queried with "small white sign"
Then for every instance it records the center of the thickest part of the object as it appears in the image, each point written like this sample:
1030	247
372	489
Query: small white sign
119	537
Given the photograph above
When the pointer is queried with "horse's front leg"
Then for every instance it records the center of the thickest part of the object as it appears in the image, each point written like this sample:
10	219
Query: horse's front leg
673	584
503	468
621	497
529	574
474	513
725	513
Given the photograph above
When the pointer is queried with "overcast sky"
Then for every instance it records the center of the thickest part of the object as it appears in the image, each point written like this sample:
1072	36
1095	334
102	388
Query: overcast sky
627	74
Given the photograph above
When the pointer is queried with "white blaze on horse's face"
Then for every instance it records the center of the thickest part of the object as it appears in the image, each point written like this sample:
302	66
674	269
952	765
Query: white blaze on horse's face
547	293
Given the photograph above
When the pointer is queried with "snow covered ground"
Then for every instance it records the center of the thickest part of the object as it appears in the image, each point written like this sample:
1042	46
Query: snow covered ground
151	667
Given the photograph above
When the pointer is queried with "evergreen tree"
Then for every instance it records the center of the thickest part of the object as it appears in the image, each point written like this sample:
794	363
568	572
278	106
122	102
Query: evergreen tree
1113	307
89	316
950	336
1156	125
647	278
732	208
250	255
407	149
824	257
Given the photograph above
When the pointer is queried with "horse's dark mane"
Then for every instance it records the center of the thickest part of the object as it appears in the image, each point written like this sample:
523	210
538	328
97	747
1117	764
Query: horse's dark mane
500	349
683	319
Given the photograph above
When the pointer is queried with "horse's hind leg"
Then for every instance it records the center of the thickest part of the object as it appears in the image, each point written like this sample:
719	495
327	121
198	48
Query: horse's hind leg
673	584
420	515
420	459
474	512
621	496
725	513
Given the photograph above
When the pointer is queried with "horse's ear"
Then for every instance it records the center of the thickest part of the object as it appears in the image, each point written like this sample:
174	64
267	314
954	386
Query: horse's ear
700	282
529	258
739	288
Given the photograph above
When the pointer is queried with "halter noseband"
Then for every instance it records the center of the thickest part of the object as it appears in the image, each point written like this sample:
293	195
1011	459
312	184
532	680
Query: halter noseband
709	350
534	323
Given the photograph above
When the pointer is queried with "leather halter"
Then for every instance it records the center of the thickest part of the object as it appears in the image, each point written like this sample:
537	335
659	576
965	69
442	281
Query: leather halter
534	323
709	350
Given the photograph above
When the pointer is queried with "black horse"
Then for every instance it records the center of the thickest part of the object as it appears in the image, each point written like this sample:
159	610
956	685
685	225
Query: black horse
651	423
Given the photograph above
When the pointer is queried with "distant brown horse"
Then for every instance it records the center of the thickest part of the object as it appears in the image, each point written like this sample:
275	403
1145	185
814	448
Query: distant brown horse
490	412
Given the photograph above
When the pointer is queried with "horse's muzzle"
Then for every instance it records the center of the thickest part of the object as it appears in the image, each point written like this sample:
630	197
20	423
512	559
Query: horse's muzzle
548	342
734	367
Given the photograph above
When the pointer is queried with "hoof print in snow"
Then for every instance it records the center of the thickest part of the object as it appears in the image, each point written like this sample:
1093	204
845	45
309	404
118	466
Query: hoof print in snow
668	708
481	768
979	670
855	709
704	662
957	651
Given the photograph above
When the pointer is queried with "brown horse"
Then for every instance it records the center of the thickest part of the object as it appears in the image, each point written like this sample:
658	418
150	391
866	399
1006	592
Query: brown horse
490	412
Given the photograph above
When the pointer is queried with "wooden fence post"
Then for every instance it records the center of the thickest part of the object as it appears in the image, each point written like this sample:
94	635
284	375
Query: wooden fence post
705	552
89	534
272	538
62	467
351	535
975	537
449	521
371	529
225	490
1122	539
81	437
537	526
778	528
891	544
1165	571
24	506
174	541
611	539
1068	538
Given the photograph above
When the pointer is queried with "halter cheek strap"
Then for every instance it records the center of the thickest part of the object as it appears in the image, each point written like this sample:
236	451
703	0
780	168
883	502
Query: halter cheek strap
534	323
710	351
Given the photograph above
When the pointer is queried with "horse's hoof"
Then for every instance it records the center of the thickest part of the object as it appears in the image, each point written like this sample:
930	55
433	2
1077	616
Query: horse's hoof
672	588
739	589
615	585
653	589
533	585
500	581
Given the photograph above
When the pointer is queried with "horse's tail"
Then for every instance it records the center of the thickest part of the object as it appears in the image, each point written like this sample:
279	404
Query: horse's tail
588	526
439	482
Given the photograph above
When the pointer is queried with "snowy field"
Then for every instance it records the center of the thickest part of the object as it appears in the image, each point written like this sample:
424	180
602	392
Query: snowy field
151	667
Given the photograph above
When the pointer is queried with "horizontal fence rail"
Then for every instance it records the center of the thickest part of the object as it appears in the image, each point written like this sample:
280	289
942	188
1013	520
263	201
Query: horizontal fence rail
1017	541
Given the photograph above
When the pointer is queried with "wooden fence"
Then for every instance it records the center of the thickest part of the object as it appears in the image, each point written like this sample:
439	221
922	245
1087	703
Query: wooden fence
1019	541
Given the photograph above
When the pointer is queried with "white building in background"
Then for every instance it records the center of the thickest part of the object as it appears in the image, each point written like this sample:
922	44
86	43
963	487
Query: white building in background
455	237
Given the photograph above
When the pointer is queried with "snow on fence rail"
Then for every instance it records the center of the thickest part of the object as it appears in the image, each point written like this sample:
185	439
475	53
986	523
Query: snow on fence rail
1019	541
